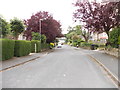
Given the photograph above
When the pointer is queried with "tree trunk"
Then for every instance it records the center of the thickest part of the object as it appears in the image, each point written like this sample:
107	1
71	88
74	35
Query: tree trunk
16	37
108	42
86	39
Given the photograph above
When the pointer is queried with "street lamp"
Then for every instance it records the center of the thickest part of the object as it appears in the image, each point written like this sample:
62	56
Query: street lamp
40	28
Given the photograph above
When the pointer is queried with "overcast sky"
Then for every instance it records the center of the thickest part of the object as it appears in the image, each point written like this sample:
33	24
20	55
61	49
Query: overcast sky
61	9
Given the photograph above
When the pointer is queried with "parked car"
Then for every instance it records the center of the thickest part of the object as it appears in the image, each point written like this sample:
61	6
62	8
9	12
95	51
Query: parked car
59	46
62	43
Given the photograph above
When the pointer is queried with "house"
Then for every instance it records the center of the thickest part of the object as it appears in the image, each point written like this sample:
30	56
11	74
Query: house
21	37
99	38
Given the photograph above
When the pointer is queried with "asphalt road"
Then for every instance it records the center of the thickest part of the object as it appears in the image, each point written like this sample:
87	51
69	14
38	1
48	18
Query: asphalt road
109	61
66	67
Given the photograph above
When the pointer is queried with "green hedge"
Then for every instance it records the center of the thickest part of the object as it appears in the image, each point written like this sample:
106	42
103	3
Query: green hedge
39	46
33	42
7	48
22	48
45	46
18	48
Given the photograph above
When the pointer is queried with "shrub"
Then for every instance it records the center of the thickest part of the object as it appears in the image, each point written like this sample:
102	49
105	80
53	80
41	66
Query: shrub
114	34
22	48
85	44
52	45
74	44
45	46
33	43
119	40
7	48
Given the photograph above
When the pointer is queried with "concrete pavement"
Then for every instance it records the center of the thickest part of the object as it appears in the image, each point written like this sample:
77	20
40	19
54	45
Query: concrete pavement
63	68
19	60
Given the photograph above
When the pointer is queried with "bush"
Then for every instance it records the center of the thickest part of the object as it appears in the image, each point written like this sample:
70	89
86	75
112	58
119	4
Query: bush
85	44
22	48
7	48
74	44
39	46
119	40
52	45
45	46
114	35
33	42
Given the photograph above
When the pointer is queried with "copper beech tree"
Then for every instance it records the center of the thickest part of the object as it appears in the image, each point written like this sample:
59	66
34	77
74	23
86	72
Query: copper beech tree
48	26
98	17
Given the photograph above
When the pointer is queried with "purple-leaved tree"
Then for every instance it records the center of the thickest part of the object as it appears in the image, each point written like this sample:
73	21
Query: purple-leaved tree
98	17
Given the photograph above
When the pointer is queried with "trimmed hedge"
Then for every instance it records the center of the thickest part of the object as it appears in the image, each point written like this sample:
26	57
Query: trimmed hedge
45	46
7	48
33	42
22	48
18	48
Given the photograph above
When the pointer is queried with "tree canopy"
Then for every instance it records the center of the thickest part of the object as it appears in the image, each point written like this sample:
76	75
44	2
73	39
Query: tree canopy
114	37
17	27
77	31
43	23
4	27
98	17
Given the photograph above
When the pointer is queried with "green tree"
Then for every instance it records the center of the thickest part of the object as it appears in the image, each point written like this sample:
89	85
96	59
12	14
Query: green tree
114	37
37	36
43	38
86	35
78	31
17	27
4	27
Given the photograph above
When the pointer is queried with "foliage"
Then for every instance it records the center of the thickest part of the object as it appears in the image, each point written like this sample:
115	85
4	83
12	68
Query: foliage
52	45
45	46
35	36
17	27
7	48
43	38
75	32
119	40
75	37
86	35
98	17
22	48
44	23
114	35
4	27
85	44
35	44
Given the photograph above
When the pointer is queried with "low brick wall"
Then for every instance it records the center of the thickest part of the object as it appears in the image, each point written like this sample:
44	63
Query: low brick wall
113	51
85	48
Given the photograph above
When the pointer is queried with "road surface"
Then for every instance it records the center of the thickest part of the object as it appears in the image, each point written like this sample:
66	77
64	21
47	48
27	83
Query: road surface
66	67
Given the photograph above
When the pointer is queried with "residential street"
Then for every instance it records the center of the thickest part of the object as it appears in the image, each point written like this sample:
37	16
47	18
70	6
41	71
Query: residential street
66	67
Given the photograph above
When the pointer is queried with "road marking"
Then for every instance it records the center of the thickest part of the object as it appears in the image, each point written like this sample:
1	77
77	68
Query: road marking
22	63
109	73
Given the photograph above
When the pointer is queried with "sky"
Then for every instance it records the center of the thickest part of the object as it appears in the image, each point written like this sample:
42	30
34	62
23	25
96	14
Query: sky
23	9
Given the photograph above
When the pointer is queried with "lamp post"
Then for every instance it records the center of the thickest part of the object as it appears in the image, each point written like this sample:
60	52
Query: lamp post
40	26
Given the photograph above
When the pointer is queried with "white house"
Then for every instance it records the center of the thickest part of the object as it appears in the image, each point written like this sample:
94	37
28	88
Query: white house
99	38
